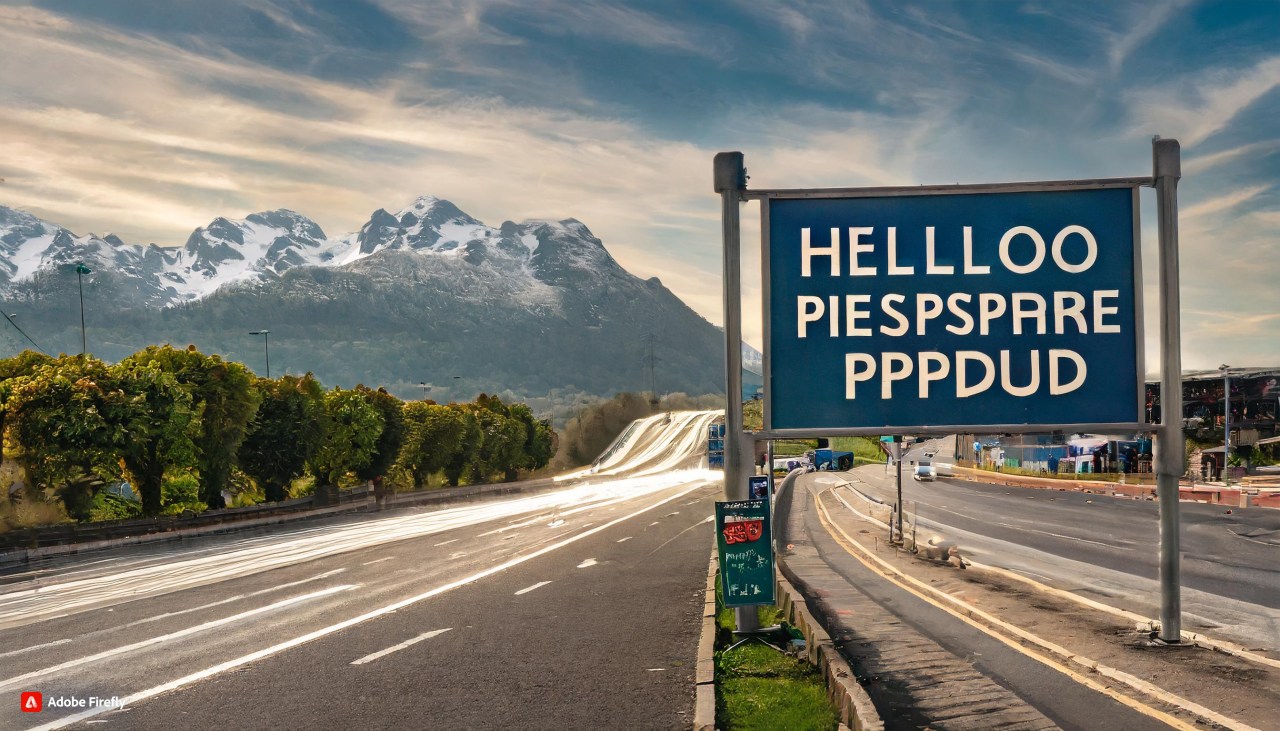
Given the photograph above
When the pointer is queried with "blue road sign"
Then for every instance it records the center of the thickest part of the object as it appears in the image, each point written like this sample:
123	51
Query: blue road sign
967	308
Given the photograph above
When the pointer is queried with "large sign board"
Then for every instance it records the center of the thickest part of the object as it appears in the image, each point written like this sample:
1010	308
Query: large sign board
979	307
744	543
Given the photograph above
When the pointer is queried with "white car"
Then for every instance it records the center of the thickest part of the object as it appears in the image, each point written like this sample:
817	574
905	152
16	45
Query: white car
925	471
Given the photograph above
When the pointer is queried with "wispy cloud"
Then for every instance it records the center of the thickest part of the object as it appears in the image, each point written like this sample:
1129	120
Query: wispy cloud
1194	109
1145	23
521	109
1221	203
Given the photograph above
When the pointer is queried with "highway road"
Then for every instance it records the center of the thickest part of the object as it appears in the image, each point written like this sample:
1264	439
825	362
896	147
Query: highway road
576	607
1106	548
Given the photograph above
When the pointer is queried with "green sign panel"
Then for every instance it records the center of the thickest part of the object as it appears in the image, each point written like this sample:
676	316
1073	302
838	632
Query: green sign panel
745	541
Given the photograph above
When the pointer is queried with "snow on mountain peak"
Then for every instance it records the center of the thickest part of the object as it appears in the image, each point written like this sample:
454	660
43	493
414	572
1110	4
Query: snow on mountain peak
266	244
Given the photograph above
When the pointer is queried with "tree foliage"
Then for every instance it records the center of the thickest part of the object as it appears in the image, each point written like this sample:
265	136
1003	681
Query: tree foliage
285	433
391	439
435	436
472	443
592	431
19	366
351	426
178	424
156	429
501	446
77	416
225	403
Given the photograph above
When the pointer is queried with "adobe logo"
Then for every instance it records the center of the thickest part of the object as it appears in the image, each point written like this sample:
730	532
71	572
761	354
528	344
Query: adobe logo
32	702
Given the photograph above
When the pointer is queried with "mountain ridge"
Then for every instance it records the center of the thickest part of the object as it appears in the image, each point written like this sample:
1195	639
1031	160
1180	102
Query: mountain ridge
533	307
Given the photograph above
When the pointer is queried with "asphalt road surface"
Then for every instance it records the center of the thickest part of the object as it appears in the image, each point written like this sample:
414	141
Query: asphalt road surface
574	608
1107	548
924	667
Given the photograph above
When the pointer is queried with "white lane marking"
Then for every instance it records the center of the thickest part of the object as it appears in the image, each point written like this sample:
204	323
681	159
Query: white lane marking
710	518
587	564
317	577
445	543
623	540
672	538
1069	538
377	560
41	646
528	589
21	679
654	523
401	646
324	631
457	554
181	569
180	612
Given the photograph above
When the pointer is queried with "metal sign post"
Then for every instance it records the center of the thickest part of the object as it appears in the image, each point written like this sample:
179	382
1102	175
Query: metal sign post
730	182
897	458
1170	446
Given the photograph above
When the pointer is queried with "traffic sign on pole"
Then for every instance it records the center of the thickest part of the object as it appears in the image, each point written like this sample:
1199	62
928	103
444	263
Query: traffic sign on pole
981	306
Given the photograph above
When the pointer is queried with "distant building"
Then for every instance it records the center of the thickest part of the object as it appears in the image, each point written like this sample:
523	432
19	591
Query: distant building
1254	403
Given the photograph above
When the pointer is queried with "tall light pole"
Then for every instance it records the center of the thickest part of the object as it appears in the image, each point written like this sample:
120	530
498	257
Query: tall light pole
82	270
266	349
1226	423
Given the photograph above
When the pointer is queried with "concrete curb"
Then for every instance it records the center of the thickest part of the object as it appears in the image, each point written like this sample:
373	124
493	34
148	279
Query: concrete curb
704	679
850	699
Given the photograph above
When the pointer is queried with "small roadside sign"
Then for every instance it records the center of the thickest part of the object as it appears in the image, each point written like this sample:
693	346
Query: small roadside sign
758	487
744	543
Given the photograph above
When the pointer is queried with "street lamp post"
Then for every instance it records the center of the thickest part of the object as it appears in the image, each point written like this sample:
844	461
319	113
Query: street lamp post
1226	423
82	270
266	349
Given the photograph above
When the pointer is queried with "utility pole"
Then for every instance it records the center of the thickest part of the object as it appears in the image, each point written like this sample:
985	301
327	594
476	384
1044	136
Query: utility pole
651	362
266	349
81	270
1226	424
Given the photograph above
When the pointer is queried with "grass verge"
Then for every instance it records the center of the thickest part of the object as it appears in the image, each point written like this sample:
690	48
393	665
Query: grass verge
758	687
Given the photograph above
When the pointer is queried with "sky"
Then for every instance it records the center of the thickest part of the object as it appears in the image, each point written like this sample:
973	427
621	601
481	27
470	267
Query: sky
148	118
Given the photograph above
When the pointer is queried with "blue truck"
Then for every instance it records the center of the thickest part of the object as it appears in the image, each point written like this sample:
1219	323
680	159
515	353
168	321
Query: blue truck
830	460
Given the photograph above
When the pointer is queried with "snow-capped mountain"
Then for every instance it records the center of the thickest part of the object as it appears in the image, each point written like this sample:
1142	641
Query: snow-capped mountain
534	307
263	246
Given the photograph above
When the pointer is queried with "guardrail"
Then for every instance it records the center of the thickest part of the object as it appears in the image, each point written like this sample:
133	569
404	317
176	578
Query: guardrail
26	545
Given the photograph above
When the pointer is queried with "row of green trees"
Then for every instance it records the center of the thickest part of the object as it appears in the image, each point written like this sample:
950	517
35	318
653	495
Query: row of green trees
75	423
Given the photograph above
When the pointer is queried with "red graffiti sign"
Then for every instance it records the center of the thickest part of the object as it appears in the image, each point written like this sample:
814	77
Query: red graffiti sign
744	531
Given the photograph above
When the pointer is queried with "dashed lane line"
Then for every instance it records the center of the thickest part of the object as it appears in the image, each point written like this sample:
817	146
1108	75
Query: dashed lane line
401	646
528	589
325	631
107	654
